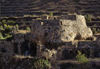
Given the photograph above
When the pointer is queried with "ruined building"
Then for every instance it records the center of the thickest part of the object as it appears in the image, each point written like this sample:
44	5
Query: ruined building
55	37
61	35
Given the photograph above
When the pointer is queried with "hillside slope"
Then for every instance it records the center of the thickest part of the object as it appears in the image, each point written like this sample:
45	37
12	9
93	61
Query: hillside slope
30	7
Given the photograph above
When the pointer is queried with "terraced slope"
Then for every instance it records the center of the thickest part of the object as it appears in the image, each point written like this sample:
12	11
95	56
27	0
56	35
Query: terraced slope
30	7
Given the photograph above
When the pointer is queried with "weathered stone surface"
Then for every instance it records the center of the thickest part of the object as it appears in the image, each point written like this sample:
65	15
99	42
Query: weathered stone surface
19	38
60	30
49	54
7	47
12	61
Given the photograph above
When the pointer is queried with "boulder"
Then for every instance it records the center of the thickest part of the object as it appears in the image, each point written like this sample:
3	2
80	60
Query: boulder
49	54
61	30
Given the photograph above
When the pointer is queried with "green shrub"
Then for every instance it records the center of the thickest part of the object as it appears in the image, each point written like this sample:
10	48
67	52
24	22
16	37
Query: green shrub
98	30
17	27
41	64
1	28
95	25
5	26
28	28
9	37
81	58
11	22
94	31
3	21
50	13
10	27
1	36
88	19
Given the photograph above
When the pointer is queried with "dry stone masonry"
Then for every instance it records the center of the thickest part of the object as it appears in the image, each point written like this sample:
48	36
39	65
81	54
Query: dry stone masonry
54	38
63	29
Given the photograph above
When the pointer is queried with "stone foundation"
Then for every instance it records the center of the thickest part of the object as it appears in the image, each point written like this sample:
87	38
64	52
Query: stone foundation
90	48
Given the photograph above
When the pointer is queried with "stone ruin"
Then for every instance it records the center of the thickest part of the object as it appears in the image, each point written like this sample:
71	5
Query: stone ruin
51	38
63	29
55	35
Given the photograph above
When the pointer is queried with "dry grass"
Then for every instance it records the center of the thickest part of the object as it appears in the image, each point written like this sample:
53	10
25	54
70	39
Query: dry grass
23	31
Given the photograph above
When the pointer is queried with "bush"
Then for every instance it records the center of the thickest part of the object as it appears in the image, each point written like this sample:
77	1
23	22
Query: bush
1	28
95	25
5	26
11	22
98	30
81	58
3	21
94	31
17	27
1	36
41	64
28	28
9	37
88	19
50	13
10	27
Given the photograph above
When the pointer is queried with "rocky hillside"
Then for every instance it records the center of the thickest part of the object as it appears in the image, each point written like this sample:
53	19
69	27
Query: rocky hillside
30	7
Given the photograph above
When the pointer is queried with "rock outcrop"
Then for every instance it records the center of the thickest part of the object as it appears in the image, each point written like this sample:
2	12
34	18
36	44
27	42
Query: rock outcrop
60	30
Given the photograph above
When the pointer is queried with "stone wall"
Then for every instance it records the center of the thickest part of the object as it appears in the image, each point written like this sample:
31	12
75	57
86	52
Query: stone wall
13	47
7	47
64	29
19	37
89	44
90	48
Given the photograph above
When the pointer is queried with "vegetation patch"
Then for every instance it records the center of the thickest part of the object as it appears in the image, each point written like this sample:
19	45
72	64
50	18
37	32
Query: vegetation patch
41	64
81	58
50	13
11	22
28	29
88	19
